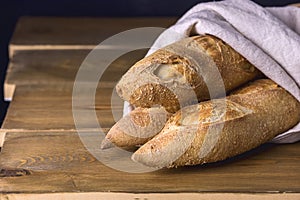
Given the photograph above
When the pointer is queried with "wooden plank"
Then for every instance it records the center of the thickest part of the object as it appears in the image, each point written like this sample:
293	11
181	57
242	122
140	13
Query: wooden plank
42	67
51	69
156	196
46	108
74	33
58	67
41	162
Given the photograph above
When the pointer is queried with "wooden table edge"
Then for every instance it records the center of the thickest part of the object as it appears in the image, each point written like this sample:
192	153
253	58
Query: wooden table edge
147	196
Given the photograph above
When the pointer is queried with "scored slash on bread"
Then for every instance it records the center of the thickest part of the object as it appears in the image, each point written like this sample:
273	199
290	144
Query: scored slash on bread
199	134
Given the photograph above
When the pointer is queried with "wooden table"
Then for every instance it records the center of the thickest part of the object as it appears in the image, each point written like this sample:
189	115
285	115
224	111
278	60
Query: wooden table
42	156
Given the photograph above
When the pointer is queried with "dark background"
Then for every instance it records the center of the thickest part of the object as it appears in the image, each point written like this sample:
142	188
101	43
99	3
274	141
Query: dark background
11	10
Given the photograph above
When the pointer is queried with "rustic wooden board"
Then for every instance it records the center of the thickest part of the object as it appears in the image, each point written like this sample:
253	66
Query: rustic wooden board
43	157
74	33
49	67
38	107
41	162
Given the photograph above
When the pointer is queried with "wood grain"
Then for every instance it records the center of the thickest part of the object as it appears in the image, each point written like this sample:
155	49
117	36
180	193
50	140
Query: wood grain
58	162
40	33
156	196
37	107
61	67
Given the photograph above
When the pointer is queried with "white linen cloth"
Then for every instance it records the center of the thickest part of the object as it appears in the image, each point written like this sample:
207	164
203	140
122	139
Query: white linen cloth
267	37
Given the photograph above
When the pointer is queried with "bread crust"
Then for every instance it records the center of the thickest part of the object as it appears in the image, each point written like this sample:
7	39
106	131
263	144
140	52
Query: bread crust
174	78
254	115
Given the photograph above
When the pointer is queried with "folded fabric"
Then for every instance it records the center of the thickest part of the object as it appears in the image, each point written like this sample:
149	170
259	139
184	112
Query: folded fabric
267	37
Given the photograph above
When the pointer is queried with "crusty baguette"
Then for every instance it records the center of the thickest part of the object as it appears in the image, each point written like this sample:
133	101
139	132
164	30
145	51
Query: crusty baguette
181	69
254	115
136	128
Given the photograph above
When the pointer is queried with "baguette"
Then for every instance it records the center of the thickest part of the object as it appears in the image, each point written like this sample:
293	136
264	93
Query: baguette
136	128
174	70
254	115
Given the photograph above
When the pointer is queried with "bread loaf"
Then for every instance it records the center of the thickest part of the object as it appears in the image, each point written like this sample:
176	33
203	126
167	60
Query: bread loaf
203	133
183	68
136	128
